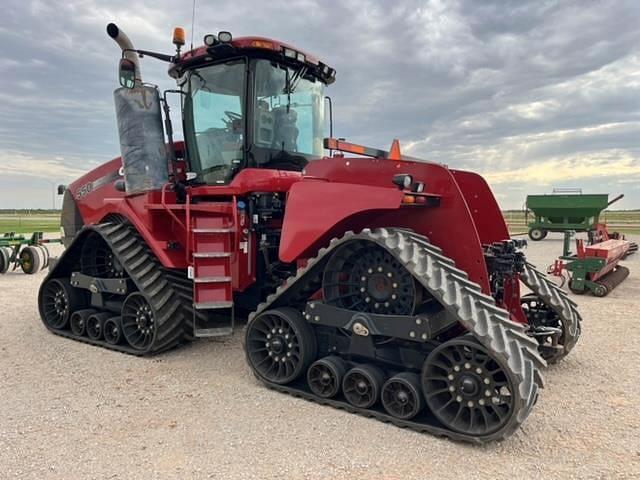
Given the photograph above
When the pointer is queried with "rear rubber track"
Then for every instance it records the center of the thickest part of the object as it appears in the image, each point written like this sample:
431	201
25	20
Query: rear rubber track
559	302
488	324
162	288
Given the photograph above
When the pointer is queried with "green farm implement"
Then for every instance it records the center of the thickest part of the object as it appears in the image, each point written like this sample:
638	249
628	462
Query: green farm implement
565	210
594	268
28	253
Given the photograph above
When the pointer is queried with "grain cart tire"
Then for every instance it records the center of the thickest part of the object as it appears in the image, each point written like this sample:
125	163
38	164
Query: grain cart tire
30	260
537	234
5	256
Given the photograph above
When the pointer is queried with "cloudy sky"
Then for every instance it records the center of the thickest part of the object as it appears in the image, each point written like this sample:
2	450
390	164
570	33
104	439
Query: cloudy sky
533	95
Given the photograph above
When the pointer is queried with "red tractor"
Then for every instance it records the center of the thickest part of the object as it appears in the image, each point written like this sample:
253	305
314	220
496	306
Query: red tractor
377	283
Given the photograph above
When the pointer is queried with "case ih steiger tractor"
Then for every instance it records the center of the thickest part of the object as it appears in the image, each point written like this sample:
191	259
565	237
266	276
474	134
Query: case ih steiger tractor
372	282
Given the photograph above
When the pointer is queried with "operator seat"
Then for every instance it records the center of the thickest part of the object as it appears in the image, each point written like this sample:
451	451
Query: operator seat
285	131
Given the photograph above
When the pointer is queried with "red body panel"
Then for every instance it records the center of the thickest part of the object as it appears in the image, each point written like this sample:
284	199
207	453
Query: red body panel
335	195
443	225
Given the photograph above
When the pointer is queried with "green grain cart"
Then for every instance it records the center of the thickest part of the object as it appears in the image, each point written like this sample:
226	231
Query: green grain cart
565	210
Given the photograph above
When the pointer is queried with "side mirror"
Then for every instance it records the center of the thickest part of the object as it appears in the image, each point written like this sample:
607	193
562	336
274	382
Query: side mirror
61	189
127	73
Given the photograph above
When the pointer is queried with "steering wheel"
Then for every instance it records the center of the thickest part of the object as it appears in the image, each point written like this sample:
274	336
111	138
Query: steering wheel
232	115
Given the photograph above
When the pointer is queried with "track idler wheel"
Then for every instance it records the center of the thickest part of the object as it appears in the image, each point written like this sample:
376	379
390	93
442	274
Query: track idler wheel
78	321
112	330
57	302
365	277
467	389
138	321
361	385
95	324
280	345
402	396
325	376
30	260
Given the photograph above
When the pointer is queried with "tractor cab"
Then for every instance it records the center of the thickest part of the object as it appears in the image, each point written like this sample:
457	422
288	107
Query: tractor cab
251	102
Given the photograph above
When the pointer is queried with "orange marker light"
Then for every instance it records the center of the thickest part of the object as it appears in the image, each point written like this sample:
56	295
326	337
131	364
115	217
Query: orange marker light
178	36
262	44
409	199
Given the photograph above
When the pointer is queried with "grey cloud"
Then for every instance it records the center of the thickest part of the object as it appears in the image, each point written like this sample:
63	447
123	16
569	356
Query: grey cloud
479	85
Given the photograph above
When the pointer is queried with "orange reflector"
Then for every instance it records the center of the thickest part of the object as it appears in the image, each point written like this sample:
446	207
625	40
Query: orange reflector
409	199
263	44
178	36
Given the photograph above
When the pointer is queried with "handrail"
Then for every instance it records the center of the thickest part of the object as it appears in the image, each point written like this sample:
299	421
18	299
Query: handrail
173	215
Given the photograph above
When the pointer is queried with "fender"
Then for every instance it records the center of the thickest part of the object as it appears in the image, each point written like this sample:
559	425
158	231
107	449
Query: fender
483	206
356	193
316	208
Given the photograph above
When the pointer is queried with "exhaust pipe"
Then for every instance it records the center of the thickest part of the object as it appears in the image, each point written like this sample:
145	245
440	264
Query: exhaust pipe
125	44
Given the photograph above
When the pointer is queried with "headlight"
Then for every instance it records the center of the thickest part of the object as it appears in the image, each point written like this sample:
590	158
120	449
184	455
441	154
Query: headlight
403	180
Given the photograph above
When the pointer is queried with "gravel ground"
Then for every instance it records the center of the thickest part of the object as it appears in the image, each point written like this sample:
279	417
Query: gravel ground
69	410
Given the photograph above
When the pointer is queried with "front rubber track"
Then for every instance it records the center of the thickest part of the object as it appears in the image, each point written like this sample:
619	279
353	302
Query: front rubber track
559	302
158	285
476	311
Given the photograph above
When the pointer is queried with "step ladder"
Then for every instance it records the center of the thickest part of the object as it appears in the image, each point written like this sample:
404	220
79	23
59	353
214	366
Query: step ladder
212	237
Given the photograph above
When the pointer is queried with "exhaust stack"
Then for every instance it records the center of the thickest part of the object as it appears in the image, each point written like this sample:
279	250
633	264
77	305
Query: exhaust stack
125	44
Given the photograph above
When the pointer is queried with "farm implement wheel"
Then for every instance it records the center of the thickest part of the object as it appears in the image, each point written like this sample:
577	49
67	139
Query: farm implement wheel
467	389
280	345
325	376
30	260
361	385
95	325
537	234
138	322
365	277
59	301
5	259
402	396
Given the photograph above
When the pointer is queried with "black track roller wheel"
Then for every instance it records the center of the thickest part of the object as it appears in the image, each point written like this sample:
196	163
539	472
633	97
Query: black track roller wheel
5	256
402	396
95	324
112	330
325	376
30	260
138	321
58	300
361	385
78	321
467	389
280	345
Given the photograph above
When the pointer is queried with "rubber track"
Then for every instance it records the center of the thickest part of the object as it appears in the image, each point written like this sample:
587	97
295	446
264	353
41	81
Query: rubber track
161	287
477	312
559	302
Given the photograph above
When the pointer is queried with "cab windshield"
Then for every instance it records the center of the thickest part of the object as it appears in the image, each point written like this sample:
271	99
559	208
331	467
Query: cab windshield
214	120
289	114
285	129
